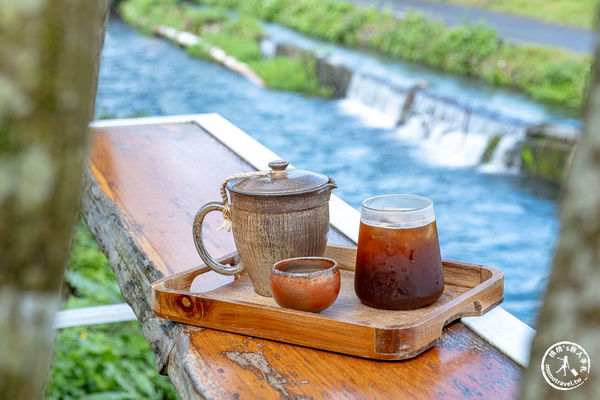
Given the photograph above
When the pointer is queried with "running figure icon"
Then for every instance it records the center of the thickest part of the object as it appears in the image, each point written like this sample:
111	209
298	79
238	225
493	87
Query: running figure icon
564	366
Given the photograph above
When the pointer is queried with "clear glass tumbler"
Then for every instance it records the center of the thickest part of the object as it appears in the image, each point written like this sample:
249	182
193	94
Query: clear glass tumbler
398	262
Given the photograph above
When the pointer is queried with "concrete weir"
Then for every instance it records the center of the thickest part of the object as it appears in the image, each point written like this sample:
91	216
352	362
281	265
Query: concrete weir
548	149
495	141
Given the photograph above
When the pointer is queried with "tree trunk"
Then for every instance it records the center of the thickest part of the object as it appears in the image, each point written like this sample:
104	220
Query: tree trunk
49	53
103	13
571	310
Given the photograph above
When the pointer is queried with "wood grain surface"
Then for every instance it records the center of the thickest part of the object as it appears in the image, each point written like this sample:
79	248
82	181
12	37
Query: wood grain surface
143	188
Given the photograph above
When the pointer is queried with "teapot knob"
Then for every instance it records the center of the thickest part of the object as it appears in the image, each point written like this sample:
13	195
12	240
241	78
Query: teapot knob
278	165
278	168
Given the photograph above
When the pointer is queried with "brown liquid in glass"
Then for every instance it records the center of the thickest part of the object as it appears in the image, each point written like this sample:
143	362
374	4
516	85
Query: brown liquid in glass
398	268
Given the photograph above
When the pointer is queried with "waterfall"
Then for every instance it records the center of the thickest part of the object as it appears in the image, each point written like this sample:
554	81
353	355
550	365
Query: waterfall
507	157
457	135
448	133
445	130
377	93
451	120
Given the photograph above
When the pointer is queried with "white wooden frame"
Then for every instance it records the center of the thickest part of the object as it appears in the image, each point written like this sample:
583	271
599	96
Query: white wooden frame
498	327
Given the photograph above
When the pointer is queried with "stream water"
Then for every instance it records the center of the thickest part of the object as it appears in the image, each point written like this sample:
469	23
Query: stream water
500	219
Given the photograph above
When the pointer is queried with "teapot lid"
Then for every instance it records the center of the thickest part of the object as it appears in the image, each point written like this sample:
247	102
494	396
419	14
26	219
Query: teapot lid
279	182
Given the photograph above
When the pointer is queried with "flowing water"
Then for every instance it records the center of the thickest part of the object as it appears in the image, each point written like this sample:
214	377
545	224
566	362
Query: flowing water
452	118
499	219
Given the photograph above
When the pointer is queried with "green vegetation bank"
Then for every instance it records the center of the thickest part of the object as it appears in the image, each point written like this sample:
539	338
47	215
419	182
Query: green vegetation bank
547	75
237	36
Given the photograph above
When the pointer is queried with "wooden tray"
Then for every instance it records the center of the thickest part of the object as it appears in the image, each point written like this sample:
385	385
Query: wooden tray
347	326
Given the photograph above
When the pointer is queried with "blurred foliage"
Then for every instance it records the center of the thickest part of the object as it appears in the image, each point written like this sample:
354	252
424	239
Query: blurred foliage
545	158
109	361
243	50
569	12
238	36
548	75
490	148
89	278
291	74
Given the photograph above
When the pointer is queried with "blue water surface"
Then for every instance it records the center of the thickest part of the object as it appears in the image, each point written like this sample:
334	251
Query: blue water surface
505	221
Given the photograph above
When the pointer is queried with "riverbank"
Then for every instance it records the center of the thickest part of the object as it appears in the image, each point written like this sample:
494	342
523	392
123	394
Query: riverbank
547	75
503	144
212	33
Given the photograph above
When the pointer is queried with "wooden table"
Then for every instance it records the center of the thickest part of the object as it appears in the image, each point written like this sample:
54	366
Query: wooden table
145	182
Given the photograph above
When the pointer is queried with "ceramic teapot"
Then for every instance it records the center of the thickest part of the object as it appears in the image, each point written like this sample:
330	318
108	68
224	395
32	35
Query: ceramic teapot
279	214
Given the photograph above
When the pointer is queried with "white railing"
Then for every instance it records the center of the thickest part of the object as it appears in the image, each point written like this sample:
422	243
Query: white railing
93	316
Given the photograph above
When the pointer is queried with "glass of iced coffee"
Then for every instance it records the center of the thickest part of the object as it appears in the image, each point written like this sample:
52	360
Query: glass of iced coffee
398	262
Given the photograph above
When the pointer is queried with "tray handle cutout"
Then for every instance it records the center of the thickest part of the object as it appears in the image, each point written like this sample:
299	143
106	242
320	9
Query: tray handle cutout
473	309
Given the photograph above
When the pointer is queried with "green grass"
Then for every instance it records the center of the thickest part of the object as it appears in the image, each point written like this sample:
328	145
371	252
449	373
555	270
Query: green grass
290	74
578	13
110	361
244	50
547	75
237	36
89	279
105	362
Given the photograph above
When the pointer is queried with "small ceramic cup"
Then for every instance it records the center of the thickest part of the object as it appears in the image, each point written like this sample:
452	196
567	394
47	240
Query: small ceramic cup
305	283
